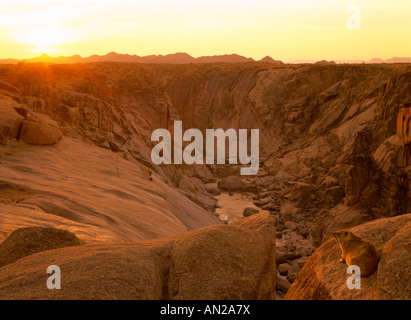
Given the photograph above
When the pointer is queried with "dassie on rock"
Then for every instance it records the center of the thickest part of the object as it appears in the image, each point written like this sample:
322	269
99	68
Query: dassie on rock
357	251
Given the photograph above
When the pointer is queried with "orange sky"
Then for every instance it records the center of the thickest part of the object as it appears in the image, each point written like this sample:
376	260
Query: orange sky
286	30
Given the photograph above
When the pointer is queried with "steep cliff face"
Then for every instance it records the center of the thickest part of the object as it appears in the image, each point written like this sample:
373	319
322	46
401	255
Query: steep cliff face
320	125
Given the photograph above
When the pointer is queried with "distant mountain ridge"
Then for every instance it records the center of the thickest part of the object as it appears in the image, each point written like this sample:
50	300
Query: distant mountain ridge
175	58
184	58
374	60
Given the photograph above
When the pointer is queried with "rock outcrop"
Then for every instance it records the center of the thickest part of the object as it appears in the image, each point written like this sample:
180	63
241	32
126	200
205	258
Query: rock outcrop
404	125
10	120
18	122
92	192
236	261
324	277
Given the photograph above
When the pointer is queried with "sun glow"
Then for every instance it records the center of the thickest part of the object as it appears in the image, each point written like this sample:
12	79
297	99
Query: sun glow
43	38
41	30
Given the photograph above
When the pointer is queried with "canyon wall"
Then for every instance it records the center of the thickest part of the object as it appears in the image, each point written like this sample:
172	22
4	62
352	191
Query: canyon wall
335	148
332	127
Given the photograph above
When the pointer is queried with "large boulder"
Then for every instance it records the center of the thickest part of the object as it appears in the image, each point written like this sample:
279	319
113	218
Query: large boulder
324	277
235	261
43	132
26	241
212	189
230	183
10	120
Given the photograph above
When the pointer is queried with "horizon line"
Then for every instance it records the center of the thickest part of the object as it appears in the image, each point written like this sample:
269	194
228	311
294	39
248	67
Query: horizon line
296	61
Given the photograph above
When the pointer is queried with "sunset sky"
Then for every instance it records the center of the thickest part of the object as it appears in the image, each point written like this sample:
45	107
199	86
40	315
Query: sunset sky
286	30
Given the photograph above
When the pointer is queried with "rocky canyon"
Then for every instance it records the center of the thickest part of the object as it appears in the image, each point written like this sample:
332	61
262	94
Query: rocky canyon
78	188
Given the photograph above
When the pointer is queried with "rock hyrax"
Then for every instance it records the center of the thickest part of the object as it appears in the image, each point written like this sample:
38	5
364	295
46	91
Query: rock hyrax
357	251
